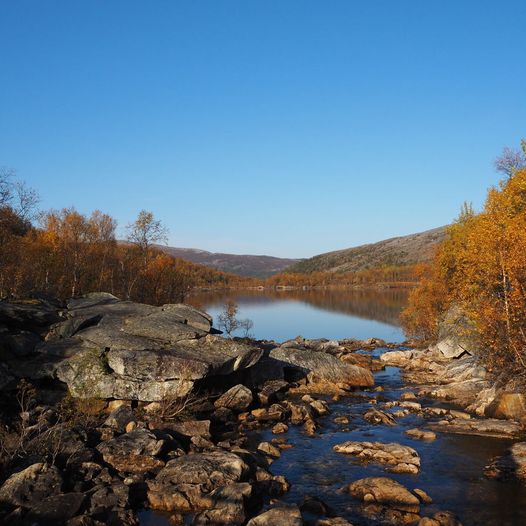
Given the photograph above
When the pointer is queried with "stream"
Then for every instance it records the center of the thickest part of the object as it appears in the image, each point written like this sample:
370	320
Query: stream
451	470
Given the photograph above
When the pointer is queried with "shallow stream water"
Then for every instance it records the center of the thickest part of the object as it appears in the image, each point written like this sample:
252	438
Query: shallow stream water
451	470
451	466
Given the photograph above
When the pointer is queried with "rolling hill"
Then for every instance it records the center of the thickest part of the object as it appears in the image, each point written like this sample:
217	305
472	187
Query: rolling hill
242	265
403	250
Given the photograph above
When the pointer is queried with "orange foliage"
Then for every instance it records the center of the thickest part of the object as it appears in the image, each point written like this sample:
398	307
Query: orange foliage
481	267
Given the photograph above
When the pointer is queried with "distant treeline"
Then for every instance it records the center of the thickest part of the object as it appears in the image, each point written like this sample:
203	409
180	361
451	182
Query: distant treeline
66	253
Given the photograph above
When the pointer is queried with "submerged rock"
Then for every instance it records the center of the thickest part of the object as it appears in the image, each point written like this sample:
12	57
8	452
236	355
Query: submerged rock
512	465
401	459
419	434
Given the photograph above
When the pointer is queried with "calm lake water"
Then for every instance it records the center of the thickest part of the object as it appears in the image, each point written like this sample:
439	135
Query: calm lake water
333	314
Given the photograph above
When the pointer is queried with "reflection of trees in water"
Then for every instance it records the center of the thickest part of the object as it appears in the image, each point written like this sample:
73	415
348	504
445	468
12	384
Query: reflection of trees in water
381	305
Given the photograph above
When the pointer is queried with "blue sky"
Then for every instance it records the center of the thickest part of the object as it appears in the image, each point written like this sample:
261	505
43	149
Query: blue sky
281	127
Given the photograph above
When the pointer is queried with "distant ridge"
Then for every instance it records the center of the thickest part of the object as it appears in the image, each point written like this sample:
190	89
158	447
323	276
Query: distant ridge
242	265
403	250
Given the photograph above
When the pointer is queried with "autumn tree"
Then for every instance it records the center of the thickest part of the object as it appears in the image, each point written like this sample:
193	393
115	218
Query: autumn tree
511	160
481	268
146	231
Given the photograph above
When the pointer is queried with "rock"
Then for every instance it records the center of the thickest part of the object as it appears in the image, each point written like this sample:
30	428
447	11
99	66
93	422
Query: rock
386	492
29	487
21	344
508	405
104	498
320	407
185	483
309	427
333	521
269	449
282	516
119	418
280	428
153	375
33	314
409	395
423	496
270	391
344	420
92	299
418	434
237	398
315	506
133	452
403	459
374	416
228	506
396	358
56	509
459	414
190	316
510	466
441	518
185	428
455	334
161	325
481	427
321	367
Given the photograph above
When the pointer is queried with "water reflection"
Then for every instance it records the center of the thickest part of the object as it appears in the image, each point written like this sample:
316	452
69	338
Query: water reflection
284	314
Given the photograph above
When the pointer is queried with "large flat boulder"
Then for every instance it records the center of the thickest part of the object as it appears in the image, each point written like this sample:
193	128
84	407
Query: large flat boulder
152	375
29	315
480	427
319	366
108	348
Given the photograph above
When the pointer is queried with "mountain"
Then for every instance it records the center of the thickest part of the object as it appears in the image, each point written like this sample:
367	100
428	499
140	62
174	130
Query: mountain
404	250
243	265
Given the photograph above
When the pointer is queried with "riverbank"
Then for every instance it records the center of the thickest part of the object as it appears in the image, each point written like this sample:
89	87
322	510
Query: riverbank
167	421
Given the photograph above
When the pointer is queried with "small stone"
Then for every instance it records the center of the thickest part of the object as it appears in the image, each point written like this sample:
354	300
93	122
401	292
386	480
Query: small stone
423	496
269	449
130	426
279	428
418	434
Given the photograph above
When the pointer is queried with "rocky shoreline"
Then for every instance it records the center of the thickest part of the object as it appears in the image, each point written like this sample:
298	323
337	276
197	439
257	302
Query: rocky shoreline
112	407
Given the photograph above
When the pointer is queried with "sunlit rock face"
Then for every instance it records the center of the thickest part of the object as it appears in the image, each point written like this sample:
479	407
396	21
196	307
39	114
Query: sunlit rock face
102	347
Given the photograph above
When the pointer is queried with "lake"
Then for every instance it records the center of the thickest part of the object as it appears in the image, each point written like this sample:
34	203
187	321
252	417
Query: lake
335	314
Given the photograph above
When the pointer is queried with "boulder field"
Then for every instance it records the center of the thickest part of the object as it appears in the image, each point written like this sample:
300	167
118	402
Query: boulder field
111	407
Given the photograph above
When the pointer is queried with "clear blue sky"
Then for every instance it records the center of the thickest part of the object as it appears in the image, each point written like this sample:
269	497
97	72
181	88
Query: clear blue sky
281	127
